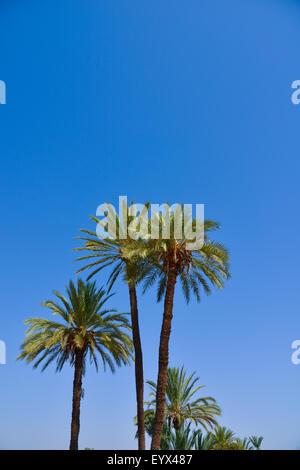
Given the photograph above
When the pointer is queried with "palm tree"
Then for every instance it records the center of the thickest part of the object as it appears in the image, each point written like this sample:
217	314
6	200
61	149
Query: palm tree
172	259
180	404
243	444
183	438
224	439
115	253
204	442
88	329
256	441
186	438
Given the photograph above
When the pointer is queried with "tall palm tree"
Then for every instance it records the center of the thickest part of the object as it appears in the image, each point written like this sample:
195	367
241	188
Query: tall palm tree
181	404
88	329
116	253
173	259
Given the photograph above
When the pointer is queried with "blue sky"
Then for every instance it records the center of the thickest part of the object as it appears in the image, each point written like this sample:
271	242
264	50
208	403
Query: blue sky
158	101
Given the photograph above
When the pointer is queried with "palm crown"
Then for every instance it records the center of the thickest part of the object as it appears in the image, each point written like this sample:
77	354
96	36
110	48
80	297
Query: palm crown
224	438
181	404
88	327
126	255
196	268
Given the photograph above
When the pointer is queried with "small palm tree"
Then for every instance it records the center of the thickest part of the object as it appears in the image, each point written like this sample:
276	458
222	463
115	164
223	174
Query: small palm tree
186	438
183	438
224	439
243	444
256	441
172	259
181	404
204	442
88	329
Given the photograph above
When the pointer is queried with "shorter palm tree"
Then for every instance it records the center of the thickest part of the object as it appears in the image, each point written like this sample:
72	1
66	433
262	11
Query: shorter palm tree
242	444
188	438
256	441
183	438
224	439
88	329
204	442
181	404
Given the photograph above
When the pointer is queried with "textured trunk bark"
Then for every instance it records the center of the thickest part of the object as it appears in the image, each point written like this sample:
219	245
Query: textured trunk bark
176	424
138	365
77	384
163	360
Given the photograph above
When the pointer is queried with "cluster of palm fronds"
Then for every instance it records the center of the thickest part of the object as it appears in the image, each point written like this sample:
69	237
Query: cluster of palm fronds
186	417
221	438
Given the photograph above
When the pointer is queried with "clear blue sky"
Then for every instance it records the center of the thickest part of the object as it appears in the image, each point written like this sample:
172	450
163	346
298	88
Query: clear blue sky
185	102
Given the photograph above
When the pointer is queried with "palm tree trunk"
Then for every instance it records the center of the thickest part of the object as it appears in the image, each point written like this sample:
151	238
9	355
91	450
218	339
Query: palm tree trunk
138	365
77	385
163	360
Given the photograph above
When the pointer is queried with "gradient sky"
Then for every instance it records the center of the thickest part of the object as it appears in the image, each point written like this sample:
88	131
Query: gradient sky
179	101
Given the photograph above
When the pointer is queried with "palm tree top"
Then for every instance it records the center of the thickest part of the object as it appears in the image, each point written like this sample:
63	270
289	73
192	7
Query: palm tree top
256	441
127	257
150	260
88	328
196	269
181	403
